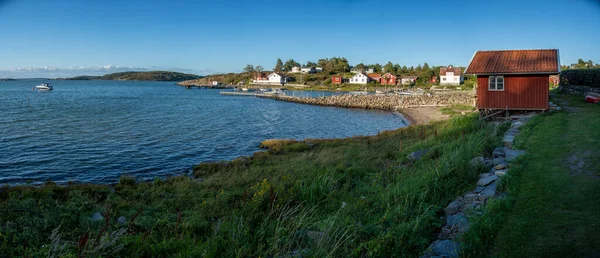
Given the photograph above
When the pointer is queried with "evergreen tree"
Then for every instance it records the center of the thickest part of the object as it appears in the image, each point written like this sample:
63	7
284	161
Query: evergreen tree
249	68
278	65
389	68
289	64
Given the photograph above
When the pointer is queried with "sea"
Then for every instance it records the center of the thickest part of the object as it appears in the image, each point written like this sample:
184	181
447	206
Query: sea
96	131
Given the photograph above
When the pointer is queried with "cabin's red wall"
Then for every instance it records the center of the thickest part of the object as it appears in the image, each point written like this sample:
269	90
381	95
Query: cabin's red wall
520	92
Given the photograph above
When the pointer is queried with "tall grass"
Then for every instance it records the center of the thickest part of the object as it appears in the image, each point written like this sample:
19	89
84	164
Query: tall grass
359	196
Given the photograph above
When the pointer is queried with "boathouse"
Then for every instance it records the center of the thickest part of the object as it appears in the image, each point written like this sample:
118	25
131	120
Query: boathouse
337	79
513	79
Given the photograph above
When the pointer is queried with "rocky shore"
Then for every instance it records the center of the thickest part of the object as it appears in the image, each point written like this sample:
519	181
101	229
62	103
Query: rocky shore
418	108
384	102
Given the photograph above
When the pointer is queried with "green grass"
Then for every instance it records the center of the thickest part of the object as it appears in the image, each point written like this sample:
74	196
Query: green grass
553	209
351	197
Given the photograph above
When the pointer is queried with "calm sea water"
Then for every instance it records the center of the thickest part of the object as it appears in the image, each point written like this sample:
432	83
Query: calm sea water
94	131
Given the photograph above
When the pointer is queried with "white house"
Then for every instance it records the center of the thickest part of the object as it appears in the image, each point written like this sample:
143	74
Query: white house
451	76
319	69
295	69
359	78
409	80
277	78
306	70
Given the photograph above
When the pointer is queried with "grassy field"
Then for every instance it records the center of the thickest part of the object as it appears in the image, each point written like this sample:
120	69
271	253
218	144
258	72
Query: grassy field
553	209
351	197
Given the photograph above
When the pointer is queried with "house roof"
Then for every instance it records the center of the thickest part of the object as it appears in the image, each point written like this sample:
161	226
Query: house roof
390	74
545	61
374	75
280	74
444	70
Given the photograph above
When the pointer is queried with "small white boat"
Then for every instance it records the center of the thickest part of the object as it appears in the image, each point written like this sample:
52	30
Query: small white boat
359	92
263	89
44	86
244	89
380	91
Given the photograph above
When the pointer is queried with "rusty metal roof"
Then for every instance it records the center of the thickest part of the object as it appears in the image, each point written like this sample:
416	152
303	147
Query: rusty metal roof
545	61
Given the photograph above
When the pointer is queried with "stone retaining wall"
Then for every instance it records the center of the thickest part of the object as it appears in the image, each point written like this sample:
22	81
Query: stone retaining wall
384	102
578	90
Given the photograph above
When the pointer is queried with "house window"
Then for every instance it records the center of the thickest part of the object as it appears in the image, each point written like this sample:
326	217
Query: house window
443	78
496	83
363	79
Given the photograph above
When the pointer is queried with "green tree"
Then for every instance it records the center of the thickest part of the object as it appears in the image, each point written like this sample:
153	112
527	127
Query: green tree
249	68
360	67
389	68
278	65
425	66
289	64
259	68
311	64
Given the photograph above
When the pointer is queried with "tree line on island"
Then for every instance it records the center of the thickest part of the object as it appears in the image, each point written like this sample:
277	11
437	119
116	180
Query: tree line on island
140	76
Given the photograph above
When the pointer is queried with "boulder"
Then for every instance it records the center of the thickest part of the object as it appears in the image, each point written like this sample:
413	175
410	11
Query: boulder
453	207
487	180
478	189
500	167
417	155
122	220
482	175
498	152
458	223
501	173
470	197
97	216
447	248
488	192
499	161
513	154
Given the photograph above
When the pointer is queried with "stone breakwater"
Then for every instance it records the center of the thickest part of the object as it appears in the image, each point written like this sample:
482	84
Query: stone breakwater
384	102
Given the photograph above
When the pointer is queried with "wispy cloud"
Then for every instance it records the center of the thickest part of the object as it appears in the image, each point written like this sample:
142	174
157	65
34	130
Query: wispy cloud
54	72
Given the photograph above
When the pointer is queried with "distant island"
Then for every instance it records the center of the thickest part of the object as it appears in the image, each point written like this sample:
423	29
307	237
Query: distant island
139	76
6	79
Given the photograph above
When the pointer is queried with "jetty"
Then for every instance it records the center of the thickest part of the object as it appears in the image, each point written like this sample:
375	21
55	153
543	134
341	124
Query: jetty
237	93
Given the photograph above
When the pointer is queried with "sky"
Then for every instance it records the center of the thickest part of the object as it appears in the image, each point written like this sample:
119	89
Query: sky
58	38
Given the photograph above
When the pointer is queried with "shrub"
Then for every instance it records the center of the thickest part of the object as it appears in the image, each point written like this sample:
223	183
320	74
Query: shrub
582	77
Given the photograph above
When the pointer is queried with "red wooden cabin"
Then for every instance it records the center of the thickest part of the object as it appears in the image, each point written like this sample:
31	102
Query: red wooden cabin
388	79
513	79
336	79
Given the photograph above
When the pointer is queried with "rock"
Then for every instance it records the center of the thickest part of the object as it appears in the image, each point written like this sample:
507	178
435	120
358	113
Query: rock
499	161
513	154
478	189
122	220
482	175
474	205
470	197
453	207
417	155
516	124
500	167
477	161
498	152
488	192
445	247
458	223
508	140
487	180
501	173
97	216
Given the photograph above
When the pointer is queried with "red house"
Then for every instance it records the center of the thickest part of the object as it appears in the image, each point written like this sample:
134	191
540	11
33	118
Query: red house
388	79
374	76
513	79
337	79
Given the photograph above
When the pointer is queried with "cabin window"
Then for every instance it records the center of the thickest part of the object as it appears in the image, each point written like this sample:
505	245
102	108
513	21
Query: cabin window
444	78
496	83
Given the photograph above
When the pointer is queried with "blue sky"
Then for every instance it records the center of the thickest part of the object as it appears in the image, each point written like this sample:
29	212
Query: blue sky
85	36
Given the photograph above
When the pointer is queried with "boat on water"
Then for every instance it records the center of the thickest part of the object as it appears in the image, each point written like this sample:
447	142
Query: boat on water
359	92
275	92
380	91
44	86
244	89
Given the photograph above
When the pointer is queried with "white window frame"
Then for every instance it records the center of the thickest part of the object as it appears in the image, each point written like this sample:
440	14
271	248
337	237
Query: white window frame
493	80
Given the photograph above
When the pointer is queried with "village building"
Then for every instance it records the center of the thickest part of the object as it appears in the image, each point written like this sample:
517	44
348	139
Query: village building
513	79
318	69
295	69
308	70
273	78
337	79
388	79
374	77
359	78
451	76
409	80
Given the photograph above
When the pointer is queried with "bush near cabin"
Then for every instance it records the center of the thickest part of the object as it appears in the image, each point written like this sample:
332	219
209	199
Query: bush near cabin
580	77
